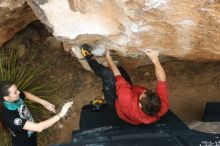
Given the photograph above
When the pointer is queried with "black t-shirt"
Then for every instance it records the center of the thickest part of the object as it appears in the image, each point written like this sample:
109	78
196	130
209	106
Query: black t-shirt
15	121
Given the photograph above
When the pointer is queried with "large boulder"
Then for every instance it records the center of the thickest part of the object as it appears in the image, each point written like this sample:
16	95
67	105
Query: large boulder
14	16
184	29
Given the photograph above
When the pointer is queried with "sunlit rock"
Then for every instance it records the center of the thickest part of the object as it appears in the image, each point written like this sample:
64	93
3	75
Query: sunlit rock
182	29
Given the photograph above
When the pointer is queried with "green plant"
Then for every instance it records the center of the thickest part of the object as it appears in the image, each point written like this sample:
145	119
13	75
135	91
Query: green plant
27	77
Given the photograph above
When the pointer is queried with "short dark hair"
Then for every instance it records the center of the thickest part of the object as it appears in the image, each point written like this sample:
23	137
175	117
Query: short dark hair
150	104
4	86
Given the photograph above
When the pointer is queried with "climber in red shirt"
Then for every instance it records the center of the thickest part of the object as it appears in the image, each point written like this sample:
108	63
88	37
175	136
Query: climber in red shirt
134	104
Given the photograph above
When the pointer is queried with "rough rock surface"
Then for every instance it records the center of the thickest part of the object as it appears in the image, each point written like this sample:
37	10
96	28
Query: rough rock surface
14	16
207	127
185	29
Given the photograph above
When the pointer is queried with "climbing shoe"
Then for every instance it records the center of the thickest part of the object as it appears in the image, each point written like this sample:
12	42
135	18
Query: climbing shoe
86	50
97	103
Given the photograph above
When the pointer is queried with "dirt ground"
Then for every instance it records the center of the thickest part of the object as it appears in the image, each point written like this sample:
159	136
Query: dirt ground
191	85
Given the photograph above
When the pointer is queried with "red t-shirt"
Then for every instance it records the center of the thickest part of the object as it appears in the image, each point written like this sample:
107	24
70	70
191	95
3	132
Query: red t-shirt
127	102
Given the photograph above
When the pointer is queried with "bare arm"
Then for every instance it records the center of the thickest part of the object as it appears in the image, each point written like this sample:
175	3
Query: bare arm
45	103
159	71
38	127
111	64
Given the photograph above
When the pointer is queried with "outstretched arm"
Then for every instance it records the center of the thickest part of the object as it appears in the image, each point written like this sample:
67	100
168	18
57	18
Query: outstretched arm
45	103
38	127
159	71
111	64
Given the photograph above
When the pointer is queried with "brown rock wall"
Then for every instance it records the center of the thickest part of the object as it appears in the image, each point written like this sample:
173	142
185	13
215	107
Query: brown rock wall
14	16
